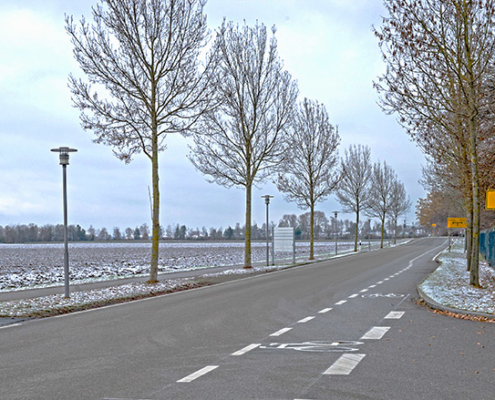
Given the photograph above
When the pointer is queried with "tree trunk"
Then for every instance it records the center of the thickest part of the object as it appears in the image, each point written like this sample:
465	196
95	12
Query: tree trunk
395	232
247	240
155	236
474	268
357	231
469	230
383	232
312	232
472	103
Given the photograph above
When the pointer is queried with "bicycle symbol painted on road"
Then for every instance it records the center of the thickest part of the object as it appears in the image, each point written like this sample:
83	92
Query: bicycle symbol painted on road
316	346
387	295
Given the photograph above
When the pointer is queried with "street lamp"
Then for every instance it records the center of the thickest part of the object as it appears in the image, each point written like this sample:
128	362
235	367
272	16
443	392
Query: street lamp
336	213
64	161
267	198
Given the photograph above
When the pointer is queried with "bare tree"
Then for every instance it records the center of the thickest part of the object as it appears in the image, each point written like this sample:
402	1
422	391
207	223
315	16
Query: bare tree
401	204
308	170
117	235
439	56
288	220
382	179
142	56
353	192
241	141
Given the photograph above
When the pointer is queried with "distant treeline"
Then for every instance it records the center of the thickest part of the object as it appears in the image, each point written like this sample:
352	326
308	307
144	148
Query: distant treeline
324	229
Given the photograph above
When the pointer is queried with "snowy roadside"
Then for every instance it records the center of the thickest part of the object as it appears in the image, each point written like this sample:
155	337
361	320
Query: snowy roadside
57	304
448	285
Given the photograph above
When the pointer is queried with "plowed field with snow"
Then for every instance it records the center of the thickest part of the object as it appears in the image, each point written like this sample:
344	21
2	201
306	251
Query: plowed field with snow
36	265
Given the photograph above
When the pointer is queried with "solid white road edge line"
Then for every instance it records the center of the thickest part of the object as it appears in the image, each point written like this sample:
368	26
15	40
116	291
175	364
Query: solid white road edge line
376	332
345	364
246	349
10	326
197	374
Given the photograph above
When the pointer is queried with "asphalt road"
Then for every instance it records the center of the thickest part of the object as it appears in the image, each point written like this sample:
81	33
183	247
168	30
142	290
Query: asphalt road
343	329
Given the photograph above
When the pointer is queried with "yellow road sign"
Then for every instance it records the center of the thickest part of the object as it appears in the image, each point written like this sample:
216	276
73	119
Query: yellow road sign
434	225
456	223
490	199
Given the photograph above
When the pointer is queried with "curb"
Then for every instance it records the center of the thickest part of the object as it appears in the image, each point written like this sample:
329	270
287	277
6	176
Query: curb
441	307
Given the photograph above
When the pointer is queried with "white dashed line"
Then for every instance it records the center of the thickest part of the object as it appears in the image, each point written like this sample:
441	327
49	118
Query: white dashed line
376	332
246	349
324	311
372	287
363	291
197	374
341	302
379	283
394	315
304	320
353	296
281	332
345	364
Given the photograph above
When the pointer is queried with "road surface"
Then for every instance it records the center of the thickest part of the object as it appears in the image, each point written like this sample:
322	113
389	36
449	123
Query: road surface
344	329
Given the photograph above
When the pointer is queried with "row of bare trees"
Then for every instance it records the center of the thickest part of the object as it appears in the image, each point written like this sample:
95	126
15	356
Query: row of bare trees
371	188
439	80
151	70
145	79
32	233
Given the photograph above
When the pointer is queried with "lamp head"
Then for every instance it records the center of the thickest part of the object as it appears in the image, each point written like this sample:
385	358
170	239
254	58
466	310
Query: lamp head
64	154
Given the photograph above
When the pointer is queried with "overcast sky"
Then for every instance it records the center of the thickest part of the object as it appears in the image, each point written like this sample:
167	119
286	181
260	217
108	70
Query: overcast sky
327	46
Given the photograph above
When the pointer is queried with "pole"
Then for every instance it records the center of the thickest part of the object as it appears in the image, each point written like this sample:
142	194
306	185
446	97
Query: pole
273	245
66	244
369	235
267	201
336	231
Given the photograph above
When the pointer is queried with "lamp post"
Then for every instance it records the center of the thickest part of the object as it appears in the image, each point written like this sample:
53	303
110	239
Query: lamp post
64	161
267	198
336	213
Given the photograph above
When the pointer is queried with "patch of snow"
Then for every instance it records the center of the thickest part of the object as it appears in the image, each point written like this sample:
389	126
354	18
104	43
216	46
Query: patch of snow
25	266
449	284
79	300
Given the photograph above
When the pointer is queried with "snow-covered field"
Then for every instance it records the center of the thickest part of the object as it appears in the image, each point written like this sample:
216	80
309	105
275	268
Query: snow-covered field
449	284
37	265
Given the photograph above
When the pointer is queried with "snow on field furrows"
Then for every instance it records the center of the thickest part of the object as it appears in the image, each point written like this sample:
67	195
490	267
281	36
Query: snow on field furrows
25	266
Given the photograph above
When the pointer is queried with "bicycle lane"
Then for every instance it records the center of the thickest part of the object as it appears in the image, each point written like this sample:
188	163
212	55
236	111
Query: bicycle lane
412	352
330	342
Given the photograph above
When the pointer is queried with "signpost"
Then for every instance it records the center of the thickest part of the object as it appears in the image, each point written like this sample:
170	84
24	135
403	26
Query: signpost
490	199
284	240
453	223
456	222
